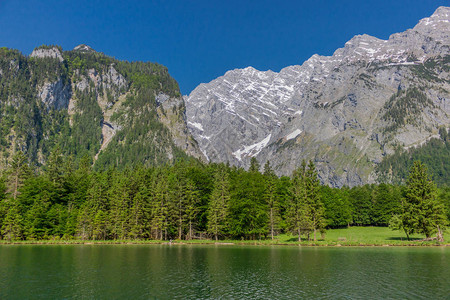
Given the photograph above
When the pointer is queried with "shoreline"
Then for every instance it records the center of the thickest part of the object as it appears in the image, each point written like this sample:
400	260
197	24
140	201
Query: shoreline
227	243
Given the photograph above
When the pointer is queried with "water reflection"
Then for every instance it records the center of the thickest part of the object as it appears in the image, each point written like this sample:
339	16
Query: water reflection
162	271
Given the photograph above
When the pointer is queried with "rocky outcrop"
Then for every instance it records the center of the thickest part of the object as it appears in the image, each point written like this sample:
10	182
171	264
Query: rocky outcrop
172	113
345	111
55	94
52	52
83	48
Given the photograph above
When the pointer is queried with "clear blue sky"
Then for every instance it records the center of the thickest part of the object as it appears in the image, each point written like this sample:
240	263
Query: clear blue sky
200	40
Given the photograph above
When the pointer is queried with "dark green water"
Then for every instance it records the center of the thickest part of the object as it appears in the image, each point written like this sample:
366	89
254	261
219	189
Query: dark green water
193	272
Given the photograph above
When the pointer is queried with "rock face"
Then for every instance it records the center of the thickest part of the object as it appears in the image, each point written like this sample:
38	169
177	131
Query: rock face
345	112
172	113
51	52
55	94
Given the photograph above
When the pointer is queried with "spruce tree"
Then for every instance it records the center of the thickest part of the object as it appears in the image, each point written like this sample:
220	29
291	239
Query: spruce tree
17	173
192	206
421	212
12	228
160	204
296	210
315	206
271	198
219	203
254	165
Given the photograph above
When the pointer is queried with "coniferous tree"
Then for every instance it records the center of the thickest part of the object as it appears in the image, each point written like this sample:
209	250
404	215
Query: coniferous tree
119	198
2	189
386	203
192	206
360	197
315	208
247	210
271	198
179	195
89	217
12	228
160	204
421	212
219	203
17	173
140	207
254	165
296	209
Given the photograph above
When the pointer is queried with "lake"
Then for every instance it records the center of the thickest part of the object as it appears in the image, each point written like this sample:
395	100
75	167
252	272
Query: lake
200	271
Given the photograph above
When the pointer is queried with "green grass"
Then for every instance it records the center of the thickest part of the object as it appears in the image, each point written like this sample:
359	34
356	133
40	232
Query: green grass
352	236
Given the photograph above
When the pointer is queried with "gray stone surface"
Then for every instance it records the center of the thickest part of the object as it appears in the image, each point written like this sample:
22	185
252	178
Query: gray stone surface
55	94
329	109
53	52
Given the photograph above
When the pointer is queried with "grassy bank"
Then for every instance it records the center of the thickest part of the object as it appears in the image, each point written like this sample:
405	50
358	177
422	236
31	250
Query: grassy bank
352	236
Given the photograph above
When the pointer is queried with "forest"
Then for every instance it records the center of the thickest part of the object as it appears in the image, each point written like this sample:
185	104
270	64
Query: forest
191	200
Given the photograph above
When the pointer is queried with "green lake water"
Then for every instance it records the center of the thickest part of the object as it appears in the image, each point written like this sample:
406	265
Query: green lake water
236	272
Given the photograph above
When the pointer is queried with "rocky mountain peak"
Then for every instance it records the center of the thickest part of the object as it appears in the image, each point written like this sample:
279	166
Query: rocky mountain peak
331	109
437	25
83	48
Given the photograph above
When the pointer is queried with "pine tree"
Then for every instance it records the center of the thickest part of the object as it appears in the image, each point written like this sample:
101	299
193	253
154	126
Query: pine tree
219	202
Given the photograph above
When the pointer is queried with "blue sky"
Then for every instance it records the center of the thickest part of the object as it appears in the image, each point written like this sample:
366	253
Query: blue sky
200	40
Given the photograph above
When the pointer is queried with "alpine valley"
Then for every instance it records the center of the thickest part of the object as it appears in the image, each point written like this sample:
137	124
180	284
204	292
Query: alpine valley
348	113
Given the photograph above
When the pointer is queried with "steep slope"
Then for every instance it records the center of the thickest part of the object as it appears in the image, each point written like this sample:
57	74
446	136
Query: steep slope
346	112
87	103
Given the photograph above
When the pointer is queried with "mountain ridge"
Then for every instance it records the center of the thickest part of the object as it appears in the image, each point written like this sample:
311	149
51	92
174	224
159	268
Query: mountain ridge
241	109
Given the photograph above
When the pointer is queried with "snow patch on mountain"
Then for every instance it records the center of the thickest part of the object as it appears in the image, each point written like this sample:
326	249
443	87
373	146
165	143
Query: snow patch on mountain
252	150
293	135
196	125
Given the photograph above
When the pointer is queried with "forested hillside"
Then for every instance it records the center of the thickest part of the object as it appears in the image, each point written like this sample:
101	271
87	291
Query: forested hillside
435	154
85	103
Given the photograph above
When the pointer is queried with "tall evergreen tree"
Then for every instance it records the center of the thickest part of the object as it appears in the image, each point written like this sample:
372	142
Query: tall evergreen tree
12	227
360	197
254	165
17	173
271	198
421	212
248	209
192	206
219	203
160	204
315	207
296	209
120	203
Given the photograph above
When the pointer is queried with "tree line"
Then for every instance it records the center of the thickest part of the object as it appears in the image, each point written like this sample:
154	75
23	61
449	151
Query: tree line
191	200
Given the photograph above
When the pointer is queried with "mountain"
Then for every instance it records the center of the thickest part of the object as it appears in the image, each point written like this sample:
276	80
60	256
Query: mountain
346	112
83	102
